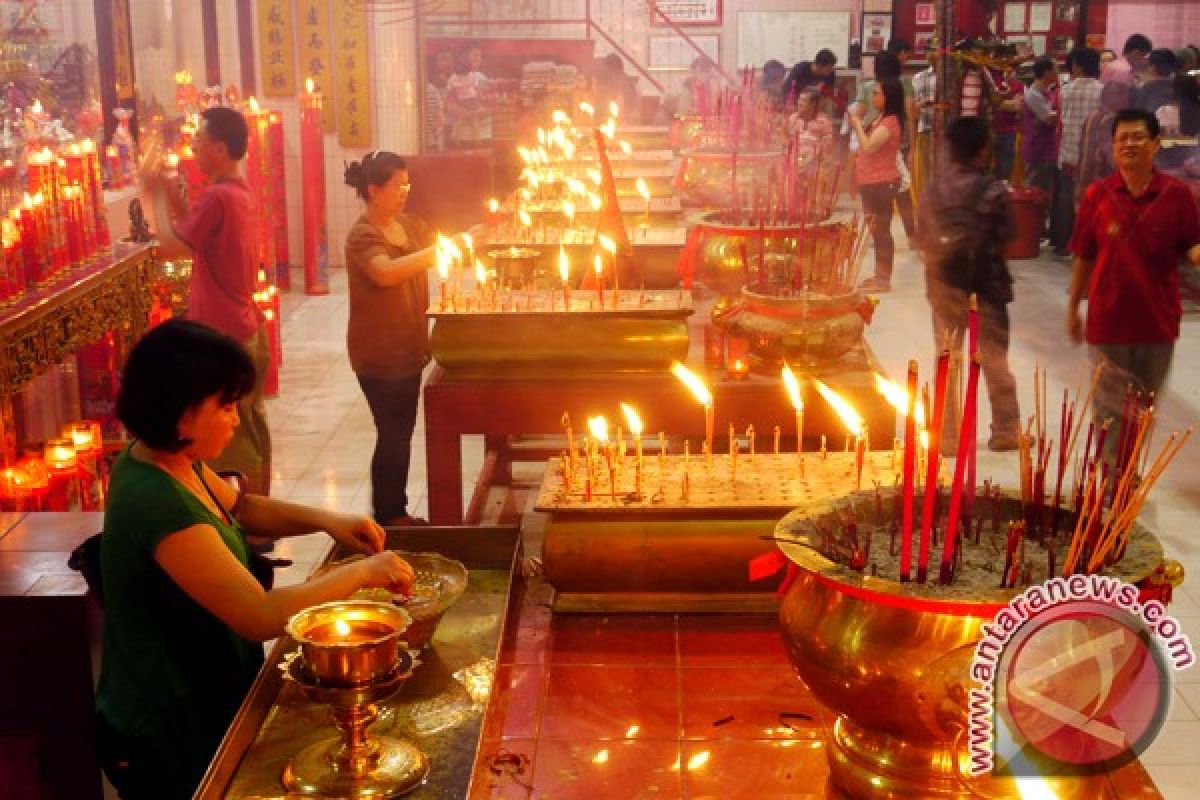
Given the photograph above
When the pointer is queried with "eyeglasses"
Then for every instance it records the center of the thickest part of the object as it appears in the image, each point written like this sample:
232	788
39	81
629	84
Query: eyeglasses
1132	138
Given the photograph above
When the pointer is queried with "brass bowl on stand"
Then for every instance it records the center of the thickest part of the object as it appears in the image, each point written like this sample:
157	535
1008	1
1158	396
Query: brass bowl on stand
893	662
809	329
516	267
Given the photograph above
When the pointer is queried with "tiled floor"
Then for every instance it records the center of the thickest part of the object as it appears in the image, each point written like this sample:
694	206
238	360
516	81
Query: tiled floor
676	677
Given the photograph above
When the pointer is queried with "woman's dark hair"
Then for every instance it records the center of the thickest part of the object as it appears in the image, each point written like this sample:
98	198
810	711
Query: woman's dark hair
968	137
1187	95
1137	115
893	98
376	169
887	65
1042	66
173	369
227	126
1163	62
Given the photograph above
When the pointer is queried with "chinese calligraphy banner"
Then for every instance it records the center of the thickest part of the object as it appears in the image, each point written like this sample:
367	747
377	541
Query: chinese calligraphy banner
316	52
275	45
122	49
352	76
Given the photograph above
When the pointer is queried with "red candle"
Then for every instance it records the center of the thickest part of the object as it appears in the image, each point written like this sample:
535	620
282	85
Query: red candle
91	160
910	468
312	158
931	471
972	350
966	443
30	244
62	463
278	183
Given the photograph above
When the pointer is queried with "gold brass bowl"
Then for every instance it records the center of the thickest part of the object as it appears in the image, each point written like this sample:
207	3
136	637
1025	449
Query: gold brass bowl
515	266
705	176
354	764
893	665
808	329
349	643
440	581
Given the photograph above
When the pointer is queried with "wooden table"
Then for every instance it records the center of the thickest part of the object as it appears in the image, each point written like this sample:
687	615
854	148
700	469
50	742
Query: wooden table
50	628
498	409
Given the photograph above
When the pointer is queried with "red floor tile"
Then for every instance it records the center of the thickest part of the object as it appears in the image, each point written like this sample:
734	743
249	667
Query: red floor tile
616	640
527	636
794	770
607	702
591	770
751	703
516	703
730	640
503	770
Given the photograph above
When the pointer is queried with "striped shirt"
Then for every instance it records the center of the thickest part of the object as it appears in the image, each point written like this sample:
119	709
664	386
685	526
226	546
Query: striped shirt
924	85
1078	100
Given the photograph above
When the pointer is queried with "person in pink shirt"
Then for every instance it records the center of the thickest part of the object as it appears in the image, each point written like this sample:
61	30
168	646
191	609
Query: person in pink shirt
1133	58
876	173
219	233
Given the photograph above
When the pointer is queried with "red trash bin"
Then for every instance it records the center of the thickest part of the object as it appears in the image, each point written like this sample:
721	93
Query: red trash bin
1028	205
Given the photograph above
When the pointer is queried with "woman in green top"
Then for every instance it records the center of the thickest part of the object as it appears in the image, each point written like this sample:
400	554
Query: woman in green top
184	618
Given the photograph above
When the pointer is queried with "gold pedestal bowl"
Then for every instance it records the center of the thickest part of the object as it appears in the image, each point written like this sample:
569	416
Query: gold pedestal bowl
894	665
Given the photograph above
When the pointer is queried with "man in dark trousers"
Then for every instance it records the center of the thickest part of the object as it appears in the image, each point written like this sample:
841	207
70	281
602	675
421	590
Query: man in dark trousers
1133	230
964	224
219	233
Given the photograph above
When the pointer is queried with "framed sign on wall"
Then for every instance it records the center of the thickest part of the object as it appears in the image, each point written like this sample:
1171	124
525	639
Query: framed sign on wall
876	30
688	12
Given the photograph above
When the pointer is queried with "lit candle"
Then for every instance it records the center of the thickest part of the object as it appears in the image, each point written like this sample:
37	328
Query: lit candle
910	461
931	471
442	256
63	466
598	266
703	395
850	418
644	191
609	246
312	165
793	389
635	430
564	273
480	282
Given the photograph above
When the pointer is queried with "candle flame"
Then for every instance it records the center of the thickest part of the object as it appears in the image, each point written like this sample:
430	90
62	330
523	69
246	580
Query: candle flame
587	108
793	388
310	85
598	264
172	160
559	116
564	266
480	272
642	189
606	243
599	428
88	146
693	383
595	176
625	146
341	627
632	419
1035	789
568	209
894	393
253	105
850	418
609	129
524	153
614	110
493	205
523	215
576	186
595	201
468	241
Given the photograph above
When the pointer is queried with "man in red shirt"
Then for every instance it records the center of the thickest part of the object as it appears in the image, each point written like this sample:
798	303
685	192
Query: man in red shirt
219	233
1131	232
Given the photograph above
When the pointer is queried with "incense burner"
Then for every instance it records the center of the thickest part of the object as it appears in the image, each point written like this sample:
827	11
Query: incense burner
809	329
892	661
705	178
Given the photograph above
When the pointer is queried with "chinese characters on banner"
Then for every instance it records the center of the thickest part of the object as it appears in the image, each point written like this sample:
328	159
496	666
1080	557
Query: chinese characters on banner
122	49
313	31
352	73
275	31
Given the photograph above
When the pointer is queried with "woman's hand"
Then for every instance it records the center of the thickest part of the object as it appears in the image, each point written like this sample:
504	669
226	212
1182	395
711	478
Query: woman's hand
385	570
360	534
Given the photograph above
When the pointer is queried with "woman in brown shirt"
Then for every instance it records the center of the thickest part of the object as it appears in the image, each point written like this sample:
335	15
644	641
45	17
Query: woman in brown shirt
387	255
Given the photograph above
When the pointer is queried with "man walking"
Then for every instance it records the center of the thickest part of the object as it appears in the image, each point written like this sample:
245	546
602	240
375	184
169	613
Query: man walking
964	223
1132	231
1078	99
1039	149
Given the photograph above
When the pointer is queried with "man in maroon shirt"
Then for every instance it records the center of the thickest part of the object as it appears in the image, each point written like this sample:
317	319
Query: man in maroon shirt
1131	232
219	233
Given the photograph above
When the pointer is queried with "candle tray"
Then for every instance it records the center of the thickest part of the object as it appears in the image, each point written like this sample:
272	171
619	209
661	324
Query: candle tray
517	335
